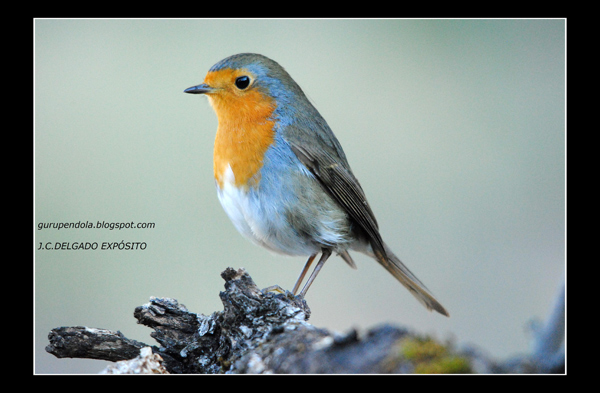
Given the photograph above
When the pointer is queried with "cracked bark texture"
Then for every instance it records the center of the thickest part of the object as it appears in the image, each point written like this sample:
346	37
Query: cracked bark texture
258	332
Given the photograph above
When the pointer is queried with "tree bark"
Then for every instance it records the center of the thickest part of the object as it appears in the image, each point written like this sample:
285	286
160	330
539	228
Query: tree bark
257	332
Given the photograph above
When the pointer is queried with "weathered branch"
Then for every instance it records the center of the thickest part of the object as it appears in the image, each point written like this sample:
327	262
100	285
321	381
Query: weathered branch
91	343
257	332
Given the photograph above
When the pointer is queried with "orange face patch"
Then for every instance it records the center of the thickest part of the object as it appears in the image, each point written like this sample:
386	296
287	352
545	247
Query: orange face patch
245	129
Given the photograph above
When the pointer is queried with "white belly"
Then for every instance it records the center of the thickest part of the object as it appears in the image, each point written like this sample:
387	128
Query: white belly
236	203
264	222
263	225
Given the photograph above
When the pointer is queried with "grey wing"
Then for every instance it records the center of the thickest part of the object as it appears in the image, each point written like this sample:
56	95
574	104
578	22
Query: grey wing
343	187
341	184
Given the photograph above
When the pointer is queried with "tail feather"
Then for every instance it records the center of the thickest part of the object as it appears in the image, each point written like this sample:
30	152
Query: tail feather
393	265
346	257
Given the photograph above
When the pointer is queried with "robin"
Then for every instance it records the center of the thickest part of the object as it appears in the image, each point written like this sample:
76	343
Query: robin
282	176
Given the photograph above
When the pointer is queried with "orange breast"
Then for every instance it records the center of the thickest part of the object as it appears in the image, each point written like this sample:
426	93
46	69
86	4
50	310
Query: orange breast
244	133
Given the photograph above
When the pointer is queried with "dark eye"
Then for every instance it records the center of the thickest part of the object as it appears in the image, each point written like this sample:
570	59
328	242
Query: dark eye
242	82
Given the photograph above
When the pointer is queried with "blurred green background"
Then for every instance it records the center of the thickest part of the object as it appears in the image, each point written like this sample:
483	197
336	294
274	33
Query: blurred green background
455	128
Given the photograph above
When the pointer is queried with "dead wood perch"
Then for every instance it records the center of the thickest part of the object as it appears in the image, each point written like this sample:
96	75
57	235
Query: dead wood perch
256	332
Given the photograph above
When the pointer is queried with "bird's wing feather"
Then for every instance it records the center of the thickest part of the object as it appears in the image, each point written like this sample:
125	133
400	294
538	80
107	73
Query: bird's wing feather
343	187
339	182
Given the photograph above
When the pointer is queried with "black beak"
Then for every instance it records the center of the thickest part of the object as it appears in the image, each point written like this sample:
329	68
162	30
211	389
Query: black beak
200	89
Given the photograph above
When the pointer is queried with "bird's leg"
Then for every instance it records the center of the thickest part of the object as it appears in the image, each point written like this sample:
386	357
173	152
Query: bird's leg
324	256
306	266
